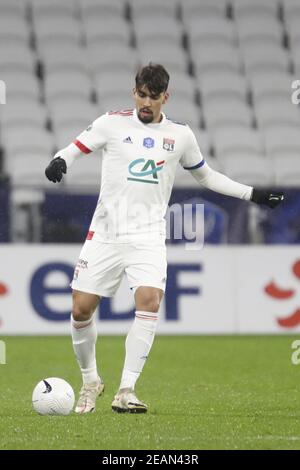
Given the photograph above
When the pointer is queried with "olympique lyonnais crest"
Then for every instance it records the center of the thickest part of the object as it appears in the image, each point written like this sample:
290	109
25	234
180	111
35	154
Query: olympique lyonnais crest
168	145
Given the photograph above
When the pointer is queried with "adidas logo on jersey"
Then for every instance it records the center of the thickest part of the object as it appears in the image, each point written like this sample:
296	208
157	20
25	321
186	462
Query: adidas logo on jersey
127	140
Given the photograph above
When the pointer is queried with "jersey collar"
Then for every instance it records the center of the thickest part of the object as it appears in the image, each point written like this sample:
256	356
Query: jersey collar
152	125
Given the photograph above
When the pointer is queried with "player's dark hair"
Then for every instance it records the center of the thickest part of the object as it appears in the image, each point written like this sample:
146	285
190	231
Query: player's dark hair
154	77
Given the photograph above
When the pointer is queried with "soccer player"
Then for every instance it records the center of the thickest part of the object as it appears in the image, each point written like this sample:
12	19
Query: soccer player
141	150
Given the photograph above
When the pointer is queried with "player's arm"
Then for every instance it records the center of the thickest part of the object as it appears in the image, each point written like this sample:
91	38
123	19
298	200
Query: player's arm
216	181
91	139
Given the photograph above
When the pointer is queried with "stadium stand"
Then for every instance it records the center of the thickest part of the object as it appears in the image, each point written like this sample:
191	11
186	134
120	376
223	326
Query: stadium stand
264	9
60	85
250	169
215	59
21	111
232	63
205	9
237	141
286	169
118	57
104	9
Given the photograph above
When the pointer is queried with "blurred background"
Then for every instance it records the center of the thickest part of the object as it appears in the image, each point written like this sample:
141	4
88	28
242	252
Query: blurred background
232	64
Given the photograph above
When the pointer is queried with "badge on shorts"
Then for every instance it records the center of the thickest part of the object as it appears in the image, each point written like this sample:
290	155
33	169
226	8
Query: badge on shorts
168	144
148	142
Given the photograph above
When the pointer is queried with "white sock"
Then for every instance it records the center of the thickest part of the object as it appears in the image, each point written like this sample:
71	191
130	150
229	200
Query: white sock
84	336
138	344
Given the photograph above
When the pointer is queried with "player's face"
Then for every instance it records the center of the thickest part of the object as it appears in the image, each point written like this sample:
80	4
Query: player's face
148	105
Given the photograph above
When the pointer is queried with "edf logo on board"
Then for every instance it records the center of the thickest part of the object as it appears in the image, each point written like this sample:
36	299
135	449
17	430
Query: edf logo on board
40	292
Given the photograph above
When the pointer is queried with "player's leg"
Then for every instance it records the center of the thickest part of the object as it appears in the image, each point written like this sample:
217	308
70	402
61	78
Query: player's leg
138	345
98	273
84	337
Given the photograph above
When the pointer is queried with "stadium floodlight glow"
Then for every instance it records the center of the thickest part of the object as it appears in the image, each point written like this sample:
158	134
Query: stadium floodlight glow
2	92
2	352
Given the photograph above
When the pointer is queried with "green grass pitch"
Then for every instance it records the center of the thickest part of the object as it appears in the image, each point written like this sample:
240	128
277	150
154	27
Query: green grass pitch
205	392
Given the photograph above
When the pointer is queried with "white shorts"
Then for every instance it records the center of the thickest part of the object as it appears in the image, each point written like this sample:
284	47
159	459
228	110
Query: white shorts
101	266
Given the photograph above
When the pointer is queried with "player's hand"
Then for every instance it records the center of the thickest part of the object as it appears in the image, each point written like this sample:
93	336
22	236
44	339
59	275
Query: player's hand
267	198
55	169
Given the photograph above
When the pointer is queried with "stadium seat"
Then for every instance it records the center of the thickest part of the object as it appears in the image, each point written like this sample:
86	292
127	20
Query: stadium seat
223	85
191	9
57	31
71	112
107	31
281	140
16	58
21	84
276	111
104	9
254	30
14	30
166	30
173	57
291	10
27	169
270	85
114	58
217	59
115	101
13	7
253	170
42	9
86	173
108	83
183	111
182	85
226	111
64	58
287	169
66	134
67	84
294	32
237	141
23	112
295	55
152	10
265	58
255	8
27	139
155	2
211	30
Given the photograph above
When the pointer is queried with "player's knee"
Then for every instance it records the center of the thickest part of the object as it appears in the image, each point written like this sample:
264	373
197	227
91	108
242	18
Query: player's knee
80	314
81	311
150	304
83	308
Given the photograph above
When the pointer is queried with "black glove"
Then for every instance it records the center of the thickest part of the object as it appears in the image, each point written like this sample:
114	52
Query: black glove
267	198
55	169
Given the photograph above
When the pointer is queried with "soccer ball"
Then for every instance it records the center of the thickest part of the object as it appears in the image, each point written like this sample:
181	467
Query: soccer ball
53	396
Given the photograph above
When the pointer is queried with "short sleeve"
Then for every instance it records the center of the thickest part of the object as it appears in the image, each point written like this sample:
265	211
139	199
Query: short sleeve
95	136
192	157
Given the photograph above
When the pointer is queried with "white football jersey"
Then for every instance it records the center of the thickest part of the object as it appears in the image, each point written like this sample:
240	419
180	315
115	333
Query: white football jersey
138	171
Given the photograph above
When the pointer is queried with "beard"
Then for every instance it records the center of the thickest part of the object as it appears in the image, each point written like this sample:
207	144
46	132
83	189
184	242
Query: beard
145	118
